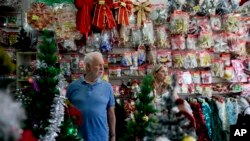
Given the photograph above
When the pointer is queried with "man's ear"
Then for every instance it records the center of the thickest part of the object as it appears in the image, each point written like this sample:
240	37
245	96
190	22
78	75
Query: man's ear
87	67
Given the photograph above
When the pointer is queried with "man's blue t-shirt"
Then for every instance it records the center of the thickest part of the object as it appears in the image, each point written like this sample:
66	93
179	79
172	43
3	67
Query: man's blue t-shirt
93	100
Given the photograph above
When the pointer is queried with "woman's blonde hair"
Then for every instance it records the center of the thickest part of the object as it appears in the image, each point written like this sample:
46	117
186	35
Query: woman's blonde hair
156	68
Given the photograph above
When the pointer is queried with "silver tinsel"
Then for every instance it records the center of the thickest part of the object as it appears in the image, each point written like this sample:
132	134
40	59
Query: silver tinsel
57	117
41	64
57	112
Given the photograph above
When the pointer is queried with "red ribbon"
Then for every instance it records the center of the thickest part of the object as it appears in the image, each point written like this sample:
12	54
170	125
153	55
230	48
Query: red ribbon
103	16
83	17
124	10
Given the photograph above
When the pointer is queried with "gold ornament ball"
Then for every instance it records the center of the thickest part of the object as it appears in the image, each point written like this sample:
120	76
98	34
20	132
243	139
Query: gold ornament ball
188	138
145	118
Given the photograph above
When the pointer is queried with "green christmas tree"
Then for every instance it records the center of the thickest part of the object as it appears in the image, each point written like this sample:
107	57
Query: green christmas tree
137	125
45	108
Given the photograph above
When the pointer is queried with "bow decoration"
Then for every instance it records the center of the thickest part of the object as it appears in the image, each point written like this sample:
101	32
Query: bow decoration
142	9
103	16
124	10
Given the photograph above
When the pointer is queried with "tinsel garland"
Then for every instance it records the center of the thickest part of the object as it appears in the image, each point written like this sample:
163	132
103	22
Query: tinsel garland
57	108
57	112
57	117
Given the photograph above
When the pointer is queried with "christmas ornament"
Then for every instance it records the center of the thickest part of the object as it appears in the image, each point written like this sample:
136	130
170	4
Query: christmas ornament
142	9
83	17
188	138
40	16
103	17
124	10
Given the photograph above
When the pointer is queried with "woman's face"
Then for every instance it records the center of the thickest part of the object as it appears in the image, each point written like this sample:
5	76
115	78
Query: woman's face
161	74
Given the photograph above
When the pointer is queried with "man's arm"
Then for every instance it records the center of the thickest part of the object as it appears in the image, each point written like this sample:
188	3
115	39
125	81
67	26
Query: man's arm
112	122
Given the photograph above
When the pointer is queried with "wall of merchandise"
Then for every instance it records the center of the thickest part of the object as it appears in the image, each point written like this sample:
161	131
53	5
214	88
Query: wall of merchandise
206	51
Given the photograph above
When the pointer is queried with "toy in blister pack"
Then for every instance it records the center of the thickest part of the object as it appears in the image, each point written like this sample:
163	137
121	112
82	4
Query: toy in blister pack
124	32
196	77
229	73
190	60
65	21
206	77
133	71
204	24
226	57
65	67
159	13
125	71
151	54
231	23
220	43
205	59
198	89
208	7
148	33
205	40
141	54
239	70
187	77
162	38
134	56
207	90
215	22
136	36
105	44
142	71
193	27
217	68
126	59
179	22
164	57
114	71
69	45
74	65
191	41
115	42
178	42
178	60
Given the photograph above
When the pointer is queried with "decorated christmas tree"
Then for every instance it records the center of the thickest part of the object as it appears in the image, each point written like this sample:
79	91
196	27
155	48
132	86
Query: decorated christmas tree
46	102
171	124
138	123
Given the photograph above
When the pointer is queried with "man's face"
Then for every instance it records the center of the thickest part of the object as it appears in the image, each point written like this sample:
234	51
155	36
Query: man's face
97	67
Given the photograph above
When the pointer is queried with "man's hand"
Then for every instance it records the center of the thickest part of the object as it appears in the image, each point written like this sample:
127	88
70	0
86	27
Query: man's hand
112	138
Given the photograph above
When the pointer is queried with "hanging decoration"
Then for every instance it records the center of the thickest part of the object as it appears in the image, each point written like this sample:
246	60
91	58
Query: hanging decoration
40	16
103	17
142	9
124	10
83	16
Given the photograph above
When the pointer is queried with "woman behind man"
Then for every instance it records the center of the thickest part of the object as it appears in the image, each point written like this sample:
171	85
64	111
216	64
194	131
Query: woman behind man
160	73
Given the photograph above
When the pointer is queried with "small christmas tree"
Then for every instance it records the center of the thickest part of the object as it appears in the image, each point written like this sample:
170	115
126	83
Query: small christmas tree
46	109
137	125
171	123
